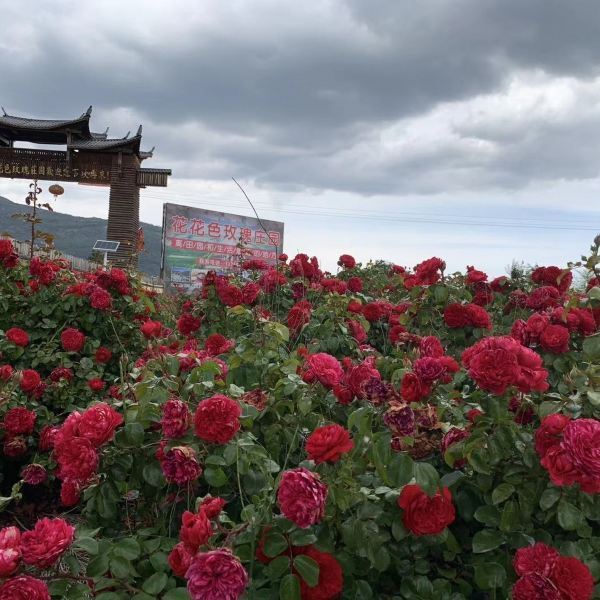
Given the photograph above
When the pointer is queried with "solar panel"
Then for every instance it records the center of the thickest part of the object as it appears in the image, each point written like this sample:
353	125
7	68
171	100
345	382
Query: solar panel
106	245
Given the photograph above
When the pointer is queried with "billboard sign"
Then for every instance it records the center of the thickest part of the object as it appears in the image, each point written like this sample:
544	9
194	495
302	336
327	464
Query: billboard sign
196	240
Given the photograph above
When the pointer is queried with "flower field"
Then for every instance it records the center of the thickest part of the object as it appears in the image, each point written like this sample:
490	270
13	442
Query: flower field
379	433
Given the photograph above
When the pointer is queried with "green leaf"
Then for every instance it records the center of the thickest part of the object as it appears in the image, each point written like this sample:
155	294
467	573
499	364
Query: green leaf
278	567
308	569
88	544
486	540
155	583
98	566
301	537
179	593
120	567
400	470
289	589
569	517
427	477
215	476
490	576
549	498
488	515
591	347
593	397
128	548
502	492
152	475
275	544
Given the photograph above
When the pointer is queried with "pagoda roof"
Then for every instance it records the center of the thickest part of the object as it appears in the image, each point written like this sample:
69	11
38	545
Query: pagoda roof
126	144
42	131
73	133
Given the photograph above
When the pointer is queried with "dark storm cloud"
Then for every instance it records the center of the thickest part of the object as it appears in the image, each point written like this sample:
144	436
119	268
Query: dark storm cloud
295	96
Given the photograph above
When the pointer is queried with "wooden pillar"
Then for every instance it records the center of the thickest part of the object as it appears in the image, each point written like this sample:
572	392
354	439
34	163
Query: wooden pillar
124	209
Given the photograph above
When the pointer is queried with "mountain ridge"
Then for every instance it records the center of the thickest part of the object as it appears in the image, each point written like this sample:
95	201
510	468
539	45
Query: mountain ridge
76	235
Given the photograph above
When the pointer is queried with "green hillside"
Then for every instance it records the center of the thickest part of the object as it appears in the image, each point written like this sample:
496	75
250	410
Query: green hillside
76	235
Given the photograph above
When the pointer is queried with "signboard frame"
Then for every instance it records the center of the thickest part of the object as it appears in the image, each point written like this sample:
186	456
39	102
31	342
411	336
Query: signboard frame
196	240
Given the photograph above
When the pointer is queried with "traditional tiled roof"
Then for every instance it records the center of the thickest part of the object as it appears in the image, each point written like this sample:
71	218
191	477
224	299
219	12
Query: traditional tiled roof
74	133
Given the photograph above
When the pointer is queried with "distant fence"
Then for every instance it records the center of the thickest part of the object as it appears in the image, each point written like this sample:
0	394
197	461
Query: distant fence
79	264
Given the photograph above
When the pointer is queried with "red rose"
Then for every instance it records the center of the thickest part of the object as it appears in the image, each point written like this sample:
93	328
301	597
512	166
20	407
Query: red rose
70	493
17	336
359	375
573	579
24	587
475	276
6	372
216	344
357	331
455	316
397	334
151	329
555	339
538	558
15	446
496	363
453	436
216	574
77	459
301	497
355	285
19	420
478	317
549	433
412	389
61	373
176	418
424	515
581	443
250	292
30	381
376	311
355	307
10	550
188	324
331	577
212	507
47	435
535	587
347	261
431	346
543	298
46	542
98	423
560	468
299	315
72	340
217	419
429	369
328	443
180	465
34	474
96	384
103	355
195	530
100	299
324	368
179	559
230	295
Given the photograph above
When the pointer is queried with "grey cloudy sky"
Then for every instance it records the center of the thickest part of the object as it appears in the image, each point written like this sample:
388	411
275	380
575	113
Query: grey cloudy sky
385	128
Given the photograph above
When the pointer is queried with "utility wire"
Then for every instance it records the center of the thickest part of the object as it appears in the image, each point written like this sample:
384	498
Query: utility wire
396	218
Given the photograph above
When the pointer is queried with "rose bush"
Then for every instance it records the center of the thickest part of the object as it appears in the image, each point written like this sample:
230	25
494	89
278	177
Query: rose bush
383	432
